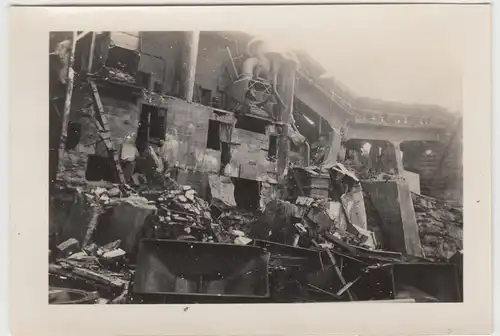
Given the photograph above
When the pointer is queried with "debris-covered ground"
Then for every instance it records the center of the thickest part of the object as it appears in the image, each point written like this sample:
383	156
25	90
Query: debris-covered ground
164	243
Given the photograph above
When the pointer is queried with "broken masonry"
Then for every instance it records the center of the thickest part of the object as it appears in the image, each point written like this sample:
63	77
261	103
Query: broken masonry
169	245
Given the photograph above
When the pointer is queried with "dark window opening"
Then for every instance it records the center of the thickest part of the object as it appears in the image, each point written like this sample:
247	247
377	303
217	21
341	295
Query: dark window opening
222	100
158	87
295	148
251	124
206	97
143	79
311	125
225	154
143	130
152	124
157	125
74	133
273	147
213	137
100	168
246	193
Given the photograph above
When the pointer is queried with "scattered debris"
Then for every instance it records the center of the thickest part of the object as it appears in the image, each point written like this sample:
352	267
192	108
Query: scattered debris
242	240
321	231
115	254
69	246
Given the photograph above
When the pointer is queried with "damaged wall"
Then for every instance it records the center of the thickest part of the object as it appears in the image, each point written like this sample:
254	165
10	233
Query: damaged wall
449	175
186	133
186	139
82	133
249	155
159	58
439	165
212	66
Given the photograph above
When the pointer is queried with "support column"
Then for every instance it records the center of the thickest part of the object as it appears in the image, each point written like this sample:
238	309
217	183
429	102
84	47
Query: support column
335	147
287	92
189	56
399	156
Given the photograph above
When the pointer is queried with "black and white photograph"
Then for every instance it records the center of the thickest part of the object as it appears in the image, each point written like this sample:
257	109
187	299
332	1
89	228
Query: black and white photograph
277	169
255	167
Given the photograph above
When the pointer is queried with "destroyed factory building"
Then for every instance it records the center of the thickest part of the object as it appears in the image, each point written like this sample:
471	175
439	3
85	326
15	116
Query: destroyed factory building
210	167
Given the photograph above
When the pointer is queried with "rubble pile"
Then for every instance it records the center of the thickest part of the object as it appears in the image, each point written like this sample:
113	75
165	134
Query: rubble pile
119	75
237	225
101	269
320	247
182	215
440	227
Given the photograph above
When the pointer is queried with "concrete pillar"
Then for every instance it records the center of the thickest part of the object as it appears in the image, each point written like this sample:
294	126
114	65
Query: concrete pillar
189	56
286	92
399	156
335	147
399	225
373	156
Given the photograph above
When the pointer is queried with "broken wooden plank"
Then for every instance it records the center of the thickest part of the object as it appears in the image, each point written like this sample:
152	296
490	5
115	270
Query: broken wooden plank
347	286
325	292
70	270
100	278
104	133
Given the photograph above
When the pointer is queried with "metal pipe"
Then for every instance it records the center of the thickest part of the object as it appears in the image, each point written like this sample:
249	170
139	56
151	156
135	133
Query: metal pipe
232	62
307	154
248	67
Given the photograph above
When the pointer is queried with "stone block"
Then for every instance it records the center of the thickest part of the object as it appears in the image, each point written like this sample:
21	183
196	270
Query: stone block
75	223
124	222
114	254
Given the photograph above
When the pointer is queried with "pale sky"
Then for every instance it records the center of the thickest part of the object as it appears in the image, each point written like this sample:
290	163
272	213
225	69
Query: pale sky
405	55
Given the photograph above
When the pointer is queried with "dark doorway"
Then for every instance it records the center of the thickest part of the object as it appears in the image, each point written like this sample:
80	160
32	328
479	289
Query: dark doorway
246	193
143	79
206	97
100	168
213	136
273	147
152	124
74	133
157	123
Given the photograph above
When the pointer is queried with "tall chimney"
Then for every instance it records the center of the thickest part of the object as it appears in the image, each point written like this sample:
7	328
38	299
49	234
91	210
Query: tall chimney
189	55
